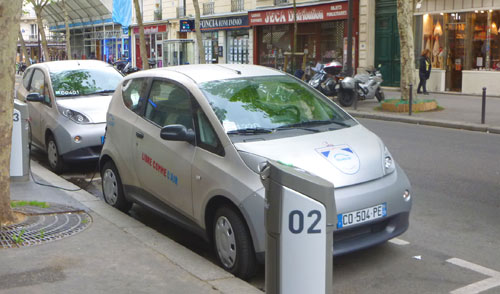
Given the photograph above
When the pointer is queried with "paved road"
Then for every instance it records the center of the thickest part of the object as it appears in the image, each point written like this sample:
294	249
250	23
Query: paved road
453	238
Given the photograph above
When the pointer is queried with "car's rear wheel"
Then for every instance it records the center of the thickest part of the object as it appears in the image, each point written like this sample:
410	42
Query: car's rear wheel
233	243
56	162
112	187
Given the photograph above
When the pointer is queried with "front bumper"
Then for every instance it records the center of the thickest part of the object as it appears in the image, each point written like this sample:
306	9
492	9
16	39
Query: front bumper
88	148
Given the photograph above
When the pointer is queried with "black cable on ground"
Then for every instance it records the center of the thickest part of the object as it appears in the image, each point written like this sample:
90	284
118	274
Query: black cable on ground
48	185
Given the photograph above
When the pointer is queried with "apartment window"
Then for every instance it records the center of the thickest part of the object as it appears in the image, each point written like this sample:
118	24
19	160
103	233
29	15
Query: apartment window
181	9
34	32
208	8
278	2
237	5
158	8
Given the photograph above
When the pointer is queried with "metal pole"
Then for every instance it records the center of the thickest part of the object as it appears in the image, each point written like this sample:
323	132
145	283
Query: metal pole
410	104
483	108
348	69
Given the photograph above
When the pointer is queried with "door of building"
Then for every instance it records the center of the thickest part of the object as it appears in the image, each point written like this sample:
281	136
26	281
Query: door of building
387	50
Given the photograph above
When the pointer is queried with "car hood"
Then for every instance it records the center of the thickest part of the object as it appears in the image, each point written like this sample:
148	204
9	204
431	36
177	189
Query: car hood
93	107
344	157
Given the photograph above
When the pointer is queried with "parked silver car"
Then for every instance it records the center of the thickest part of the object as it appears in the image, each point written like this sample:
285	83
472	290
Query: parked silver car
67	103
189	142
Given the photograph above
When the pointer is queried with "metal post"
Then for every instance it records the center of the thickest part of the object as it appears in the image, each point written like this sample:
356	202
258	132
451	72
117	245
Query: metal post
483	108
410	103
356	96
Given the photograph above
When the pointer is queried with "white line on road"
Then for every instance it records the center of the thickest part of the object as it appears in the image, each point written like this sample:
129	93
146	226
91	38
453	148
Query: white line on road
399	242
478	287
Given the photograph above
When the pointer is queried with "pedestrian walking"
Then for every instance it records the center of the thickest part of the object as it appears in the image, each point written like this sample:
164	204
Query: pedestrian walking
424	70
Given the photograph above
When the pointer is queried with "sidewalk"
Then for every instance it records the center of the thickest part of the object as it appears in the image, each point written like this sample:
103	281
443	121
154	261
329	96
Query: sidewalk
460	112
115	254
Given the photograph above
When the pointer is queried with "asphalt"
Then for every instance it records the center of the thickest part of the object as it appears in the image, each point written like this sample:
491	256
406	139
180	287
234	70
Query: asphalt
116	253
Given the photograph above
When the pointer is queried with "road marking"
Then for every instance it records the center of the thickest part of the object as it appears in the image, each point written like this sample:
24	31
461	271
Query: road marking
478	287
399	242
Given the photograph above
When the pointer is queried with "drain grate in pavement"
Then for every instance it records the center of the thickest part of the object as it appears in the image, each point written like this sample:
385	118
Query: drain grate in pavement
44	225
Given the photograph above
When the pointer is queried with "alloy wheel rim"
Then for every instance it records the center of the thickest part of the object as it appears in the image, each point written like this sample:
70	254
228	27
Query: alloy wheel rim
225	241
110	187
52	154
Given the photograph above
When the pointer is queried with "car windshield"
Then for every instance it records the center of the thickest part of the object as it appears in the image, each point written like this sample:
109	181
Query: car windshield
269	103
88	81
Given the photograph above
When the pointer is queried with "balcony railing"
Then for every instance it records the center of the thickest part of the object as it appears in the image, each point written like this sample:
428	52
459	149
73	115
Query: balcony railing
278	2
208	8
237	5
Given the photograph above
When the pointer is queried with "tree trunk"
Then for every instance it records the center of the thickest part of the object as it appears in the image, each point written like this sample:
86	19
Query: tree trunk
45	47
197	26
23	48
10	13
405	25
144	55
66	23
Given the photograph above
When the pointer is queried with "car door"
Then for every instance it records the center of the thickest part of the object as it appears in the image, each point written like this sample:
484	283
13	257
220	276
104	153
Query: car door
164	167
39	111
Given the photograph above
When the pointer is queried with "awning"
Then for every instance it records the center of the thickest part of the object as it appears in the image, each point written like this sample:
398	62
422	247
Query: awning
81	13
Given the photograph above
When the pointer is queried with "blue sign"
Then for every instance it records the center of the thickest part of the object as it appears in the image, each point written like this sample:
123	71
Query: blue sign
186	25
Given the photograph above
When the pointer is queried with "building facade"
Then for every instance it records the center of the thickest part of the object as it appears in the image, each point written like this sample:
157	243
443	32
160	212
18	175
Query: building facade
254	32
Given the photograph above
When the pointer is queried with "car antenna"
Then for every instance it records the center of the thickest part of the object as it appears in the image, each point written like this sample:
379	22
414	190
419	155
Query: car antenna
237	71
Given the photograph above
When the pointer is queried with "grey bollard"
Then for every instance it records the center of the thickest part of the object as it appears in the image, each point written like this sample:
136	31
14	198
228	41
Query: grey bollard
19	154
300	218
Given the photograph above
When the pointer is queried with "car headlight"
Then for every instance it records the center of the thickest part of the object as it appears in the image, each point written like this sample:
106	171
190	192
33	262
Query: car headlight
75	116
389	165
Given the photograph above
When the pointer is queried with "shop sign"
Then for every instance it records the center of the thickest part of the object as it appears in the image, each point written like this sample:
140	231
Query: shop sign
186	25
152	29
225	23
324	12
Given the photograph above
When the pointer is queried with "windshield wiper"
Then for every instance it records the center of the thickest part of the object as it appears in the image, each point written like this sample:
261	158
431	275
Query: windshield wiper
314	123
250	131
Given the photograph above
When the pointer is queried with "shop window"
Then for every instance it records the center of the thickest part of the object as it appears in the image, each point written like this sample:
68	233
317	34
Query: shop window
238	46
211	46
433	39
274	42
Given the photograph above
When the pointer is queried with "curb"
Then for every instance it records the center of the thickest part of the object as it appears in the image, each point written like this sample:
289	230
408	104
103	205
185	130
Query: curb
179	255
428	122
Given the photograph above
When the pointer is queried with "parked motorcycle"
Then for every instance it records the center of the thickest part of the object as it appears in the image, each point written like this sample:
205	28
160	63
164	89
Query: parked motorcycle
21	67
125	67
365	86
326	78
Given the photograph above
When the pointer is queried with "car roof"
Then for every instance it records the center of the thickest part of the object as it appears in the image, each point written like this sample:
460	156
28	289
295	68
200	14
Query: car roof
55	66
200	73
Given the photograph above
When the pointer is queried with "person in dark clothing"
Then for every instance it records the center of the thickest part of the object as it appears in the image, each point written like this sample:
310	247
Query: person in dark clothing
424	70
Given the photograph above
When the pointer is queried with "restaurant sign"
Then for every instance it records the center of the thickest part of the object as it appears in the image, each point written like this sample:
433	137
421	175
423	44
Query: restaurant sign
324	12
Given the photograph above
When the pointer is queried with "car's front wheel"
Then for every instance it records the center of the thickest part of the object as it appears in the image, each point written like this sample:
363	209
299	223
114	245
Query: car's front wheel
233	243
55	160
112	187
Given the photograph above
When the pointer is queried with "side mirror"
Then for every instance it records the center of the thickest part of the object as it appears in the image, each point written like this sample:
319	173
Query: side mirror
177	133
35	97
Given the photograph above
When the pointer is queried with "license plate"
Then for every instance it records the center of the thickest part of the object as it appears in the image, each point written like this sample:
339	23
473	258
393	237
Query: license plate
360	216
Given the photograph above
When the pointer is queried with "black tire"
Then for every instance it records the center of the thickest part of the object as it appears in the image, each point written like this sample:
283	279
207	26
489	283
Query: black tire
240	260
112	188
346	98
380	95
56	162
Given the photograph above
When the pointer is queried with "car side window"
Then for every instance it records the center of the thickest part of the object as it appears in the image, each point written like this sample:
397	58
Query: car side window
169	104
26	78
206	136
38	85
133	94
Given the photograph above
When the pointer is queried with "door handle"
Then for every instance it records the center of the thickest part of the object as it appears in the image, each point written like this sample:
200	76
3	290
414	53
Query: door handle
139	135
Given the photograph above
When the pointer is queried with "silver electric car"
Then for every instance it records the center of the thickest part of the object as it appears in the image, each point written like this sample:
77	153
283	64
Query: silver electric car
189	142
67	103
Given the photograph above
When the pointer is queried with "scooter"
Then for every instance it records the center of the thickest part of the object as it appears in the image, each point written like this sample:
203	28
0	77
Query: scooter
125	67
365	86
325	78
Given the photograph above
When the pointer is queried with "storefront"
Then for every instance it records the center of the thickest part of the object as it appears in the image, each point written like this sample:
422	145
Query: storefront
225	39
154	35
321	35
464	46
